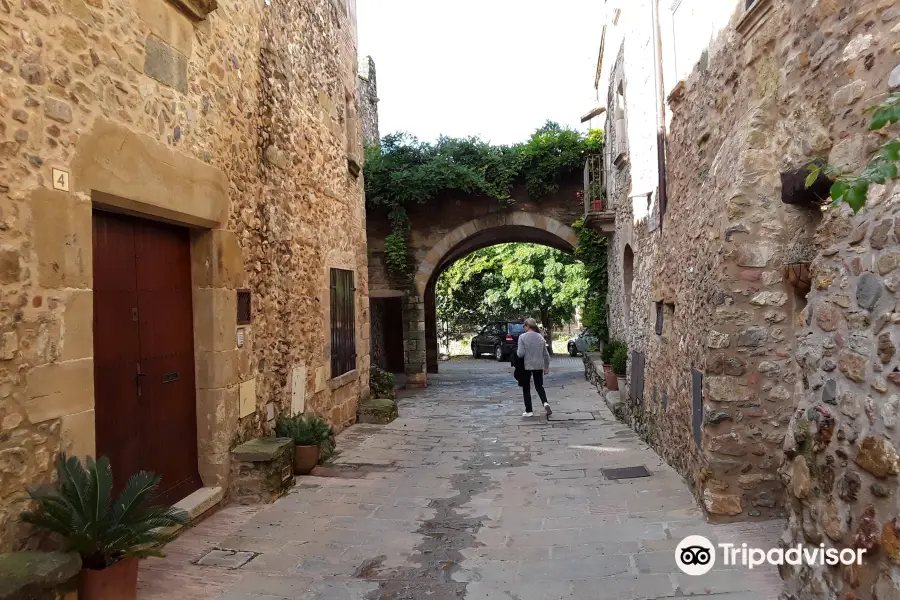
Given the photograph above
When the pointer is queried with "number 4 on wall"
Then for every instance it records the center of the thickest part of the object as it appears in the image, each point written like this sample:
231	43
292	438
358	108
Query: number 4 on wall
60	180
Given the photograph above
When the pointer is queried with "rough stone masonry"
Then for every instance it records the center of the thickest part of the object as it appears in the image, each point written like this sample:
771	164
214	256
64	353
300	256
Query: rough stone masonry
236	118
798	385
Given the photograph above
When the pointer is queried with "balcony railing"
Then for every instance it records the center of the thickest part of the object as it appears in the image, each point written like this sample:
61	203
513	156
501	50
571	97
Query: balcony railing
594	188
598	211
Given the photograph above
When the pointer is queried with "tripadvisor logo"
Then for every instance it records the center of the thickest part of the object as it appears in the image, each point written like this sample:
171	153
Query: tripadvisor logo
696	555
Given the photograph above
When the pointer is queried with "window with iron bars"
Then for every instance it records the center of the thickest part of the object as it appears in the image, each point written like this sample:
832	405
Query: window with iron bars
343	322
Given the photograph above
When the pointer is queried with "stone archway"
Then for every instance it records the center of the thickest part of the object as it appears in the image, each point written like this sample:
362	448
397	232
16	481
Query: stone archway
493	229
420	327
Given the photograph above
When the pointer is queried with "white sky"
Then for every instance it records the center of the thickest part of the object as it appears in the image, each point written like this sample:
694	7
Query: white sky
493	68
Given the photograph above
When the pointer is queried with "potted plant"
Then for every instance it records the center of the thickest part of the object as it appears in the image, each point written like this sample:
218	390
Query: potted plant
111	536
607	355
620	364
312	437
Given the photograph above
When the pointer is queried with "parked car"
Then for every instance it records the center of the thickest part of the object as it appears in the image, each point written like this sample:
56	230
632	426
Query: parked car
499	339
581	342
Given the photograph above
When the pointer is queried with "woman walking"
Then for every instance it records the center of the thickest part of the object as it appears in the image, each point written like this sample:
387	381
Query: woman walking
532	350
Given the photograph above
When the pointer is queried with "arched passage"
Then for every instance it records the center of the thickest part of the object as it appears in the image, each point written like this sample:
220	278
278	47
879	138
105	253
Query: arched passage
494	229
474	235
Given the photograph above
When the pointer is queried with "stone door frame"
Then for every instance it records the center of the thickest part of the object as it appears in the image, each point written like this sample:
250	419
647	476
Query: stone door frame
117	169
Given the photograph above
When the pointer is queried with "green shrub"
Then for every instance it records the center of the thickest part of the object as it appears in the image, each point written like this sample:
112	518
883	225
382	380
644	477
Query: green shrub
304	430
609	350
381	383
102	531
620	360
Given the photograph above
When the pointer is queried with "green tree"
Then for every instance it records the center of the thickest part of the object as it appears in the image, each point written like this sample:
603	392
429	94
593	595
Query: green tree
509	281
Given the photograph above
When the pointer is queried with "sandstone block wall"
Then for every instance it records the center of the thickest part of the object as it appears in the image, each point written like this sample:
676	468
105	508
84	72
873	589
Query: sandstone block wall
313	218
368	102
240	123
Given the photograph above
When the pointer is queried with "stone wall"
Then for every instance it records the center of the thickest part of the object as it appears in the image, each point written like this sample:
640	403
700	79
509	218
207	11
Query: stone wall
841	462
313	216
368	102
841	465
241	124
771	94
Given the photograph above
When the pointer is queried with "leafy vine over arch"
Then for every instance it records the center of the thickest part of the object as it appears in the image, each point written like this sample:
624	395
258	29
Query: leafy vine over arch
403	172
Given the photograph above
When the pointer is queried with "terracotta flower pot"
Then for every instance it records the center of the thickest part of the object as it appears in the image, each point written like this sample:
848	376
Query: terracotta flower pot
597	205
305	459
798	276
611	383
118	582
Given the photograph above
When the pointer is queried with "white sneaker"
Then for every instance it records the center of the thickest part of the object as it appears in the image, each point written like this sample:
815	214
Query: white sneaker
527	414
547	409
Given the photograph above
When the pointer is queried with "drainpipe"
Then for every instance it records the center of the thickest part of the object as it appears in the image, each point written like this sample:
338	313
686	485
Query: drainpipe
660	112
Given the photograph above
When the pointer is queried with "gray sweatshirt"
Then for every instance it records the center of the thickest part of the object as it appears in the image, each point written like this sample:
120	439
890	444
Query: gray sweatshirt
533	349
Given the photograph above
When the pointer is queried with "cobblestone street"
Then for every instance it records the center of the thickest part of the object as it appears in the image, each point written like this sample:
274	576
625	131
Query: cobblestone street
461	497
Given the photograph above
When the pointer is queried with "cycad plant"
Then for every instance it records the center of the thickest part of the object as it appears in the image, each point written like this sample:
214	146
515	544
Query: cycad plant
103	531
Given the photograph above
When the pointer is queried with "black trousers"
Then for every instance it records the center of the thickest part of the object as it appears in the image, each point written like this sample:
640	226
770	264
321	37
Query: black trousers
538	385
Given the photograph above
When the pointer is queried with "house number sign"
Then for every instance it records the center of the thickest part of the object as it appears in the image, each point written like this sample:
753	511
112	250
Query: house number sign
60	180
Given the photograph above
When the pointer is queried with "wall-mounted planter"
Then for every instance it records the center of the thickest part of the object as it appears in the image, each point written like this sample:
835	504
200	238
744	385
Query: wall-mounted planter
795	267
795	191
797	274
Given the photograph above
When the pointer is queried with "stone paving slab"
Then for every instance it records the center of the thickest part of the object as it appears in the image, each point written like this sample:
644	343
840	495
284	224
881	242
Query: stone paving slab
462	498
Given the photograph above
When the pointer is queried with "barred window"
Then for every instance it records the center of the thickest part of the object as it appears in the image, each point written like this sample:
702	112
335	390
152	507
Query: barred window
343	322
697	393
659	318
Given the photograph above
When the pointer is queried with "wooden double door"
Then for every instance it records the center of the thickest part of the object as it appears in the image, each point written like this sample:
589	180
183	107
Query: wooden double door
145	396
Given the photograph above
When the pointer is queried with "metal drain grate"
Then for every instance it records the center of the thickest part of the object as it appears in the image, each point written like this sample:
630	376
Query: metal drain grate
578	416
626	472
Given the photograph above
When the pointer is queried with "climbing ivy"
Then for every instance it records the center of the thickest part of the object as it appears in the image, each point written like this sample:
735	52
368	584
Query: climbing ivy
855	189
404	171
592	249
395	243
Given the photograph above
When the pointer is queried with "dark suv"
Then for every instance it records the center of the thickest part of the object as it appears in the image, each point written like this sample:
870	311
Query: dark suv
499	339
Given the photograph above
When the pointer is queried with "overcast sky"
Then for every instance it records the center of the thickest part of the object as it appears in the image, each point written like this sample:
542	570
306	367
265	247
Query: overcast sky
493	68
